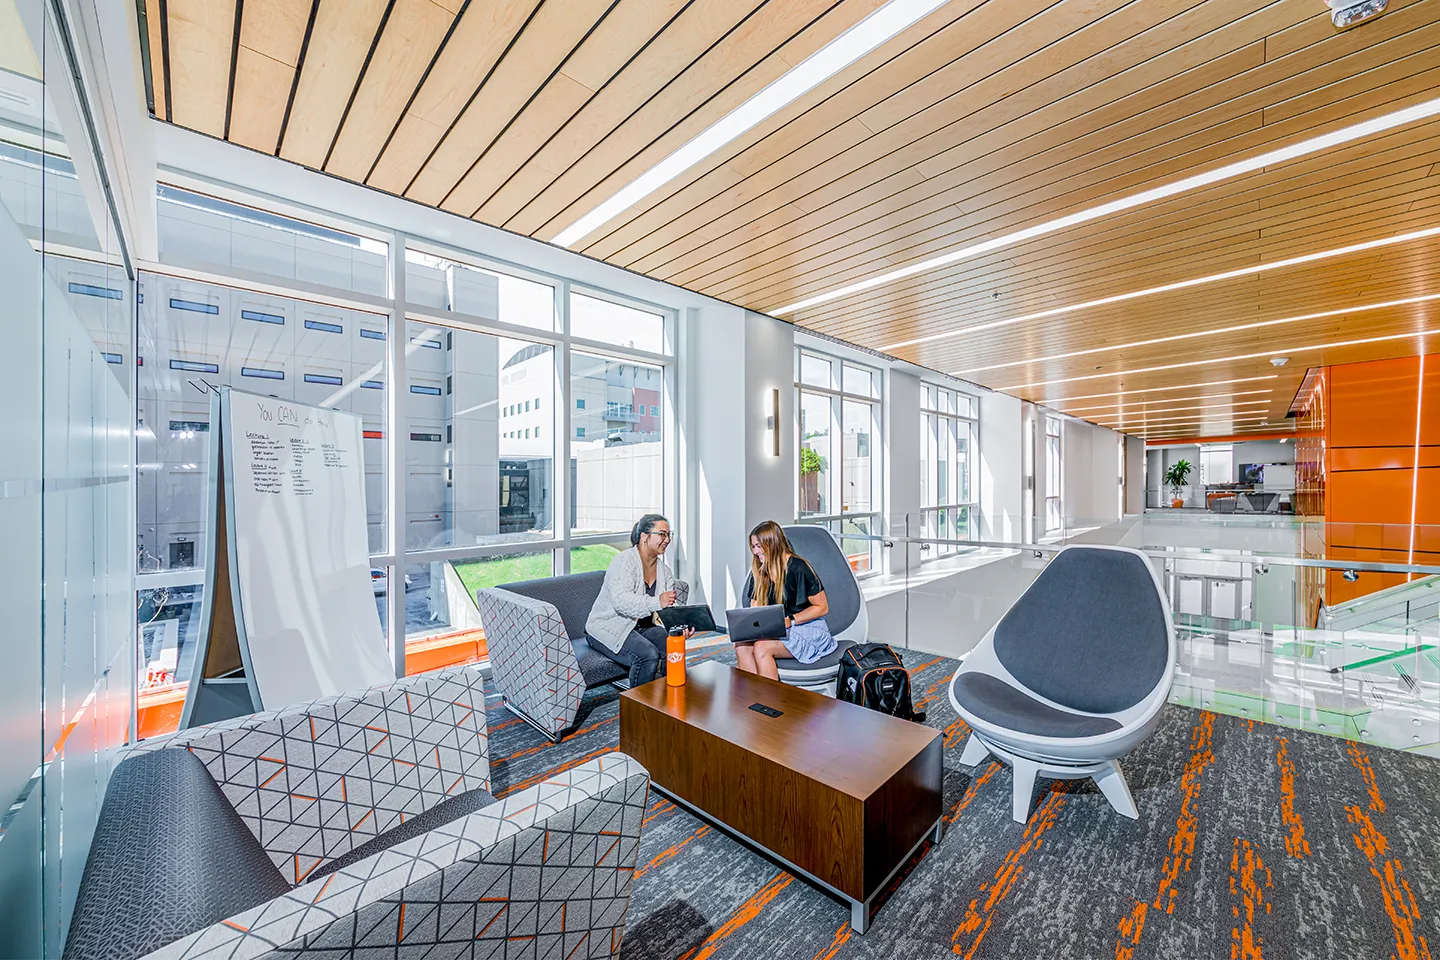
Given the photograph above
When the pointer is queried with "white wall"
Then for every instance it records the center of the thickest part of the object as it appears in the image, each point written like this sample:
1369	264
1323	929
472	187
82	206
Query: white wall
1091	470
901	441
1002	466
1135	477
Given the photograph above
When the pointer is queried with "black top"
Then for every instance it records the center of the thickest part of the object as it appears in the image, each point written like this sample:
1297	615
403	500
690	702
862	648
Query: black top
642	623
801	583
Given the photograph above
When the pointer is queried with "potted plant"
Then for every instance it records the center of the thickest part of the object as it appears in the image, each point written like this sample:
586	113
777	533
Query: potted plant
1177	477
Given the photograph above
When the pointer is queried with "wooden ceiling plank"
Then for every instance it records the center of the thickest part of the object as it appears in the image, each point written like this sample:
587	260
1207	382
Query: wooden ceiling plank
1179	108
270	37
344	31
412	38
538	52
1058	198
481	37
622	64
154	35
904	146
867	82
201	41
737	66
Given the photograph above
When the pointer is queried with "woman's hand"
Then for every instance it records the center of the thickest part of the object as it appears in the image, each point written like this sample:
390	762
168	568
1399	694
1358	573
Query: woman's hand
788	623
667	599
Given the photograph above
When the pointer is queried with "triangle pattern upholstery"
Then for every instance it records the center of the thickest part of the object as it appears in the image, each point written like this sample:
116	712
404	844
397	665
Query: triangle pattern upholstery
315	779
545	872
531	657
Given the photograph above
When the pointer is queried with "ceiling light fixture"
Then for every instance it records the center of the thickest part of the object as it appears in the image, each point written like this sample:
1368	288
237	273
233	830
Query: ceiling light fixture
1139	390
1274	361
1198	418
814	70
1144	405
1325	141
1416	335
1177	411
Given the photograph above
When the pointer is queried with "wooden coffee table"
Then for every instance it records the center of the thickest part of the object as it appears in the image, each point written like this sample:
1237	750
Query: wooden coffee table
840	794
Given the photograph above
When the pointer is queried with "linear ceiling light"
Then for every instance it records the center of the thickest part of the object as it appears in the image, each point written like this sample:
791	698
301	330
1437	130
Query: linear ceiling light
1175	433
1139	390
814	70
1334	138
1208	333
1188	423
1171	287
1177	411
1416	335
1142	406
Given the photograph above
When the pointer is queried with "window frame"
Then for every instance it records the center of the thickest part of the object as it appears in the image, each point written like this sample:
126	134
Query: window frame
935	416
1054	492
837	397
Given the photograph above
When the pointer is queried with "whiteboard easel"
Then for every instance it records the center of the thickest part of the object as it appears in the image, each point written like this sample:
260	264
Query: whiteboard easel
288	612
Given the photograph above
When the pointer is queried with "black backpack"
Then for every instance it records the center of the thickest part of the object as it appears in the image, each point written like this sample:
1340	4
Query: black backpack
872	675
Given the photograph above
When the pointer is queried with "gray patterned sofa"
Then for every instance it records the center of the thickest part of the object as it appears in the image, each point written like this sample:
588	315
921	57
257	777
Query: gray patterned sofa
535	635
352	822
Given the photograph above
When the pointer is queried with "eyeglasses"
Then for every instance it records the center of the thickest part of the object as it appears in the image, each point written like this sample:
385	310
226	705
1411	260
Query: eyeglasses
663	535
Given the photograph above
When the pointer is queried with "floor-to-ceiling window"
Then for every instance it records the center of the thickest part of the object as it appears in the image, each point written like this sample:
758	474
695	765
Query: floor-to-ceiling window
839	463
949	492
533	416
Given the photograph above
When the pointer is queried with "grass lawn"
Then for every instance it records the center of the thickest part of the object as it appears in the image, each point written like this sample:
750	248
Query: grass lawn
493	571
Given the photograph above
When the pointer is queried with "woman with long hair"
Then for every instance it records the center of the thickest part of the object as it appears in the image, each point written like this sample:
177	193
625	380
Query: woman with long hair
779	576
622	624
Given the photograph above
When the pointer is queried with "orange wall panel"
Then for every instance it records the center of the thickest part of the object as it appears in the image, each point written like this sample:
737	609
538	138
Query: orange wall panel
1373	404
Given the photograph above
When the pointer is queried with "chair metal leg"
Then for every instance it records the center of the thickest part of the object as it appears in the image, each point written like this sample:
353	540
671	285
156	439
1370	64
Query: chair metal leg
1111	782
975	751
1025	772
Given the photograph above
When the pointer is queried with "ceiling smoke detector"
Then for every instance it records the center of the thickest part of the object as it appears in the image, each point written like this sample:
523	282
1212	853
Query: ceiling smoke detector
1345	13
1279	361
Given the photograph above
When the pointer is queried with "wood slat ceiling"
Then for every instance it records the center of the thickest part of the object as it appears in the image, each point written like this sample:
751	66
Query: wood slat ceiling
985	117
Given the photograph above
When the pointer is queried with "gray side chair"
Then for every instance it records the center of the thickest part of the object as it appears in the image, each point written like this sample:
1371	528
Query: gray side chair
329	827
1074	676
541	661
847	617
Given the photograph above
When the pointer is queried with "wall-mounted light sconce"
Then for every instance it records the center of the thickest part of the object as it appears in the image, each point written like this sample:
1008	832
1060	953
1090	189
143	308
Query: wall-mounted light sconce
772	422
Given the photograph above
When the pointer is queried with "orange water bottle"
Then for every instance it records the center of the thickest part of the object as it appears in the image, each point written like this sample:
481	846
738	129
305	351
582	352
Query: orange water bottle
675	657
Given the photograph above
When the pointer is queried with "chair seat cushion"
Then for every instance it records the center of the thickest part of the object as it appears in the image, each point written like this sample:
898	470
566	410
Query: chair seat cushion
442	813
827	667
170	856
995	701
595	667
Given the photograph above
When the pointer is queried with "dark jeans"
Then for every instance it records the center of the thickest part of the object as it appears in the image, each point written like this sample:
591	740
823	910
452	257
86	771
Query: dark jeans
642	652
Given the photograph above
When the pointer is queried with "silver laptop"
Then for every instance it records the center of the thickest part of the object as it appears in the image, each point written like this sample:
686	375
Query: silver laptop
756	623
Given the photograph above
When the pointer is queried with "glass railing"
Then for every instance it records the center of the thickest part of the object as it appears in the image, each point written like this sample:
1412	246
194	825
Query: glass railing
1347	645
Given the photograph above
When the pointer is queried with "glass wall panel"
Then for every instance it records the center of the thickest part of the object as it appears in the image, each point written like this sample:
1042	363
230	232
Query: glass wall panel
816	430
859	468
440	594
948	494
66	490
592	318
616	447
594	556
480	438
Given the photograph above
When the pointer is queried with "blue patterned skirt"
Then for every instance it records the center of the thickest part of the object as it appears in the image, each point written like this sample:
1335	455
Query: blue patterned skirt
809	641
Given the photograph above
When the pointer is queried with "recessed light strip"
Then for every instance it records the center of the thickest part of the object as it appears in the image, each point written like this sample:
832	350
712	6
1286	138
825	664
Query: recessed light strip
1140	390
1334	138
1144	417
1416	335
814	70
1142	406
1362	308
1201	418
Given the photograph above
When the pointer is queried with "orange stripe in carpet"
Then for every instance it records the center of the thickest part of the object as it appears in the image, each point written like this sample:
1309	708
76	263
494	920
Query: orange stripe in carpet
743	914
973	928
1399	901
842	937
1360	760
924	666
531	751
546	774
1182	842
660	809
957	731
669	853
972	790
1131	926
1246	872
1295	843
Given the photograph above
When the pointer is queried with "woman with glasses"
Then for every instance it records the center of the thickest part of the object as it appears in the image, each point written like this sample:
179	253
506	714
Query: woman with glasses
622	624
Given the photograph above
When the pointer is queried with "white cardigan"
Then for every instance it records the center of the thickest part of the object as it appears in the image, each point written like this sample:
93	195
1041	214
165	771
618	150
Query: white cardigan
623	599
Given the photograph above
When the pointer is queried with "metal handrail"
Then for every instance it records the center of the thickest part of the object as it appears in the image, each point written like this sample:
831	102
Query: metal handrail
1358	566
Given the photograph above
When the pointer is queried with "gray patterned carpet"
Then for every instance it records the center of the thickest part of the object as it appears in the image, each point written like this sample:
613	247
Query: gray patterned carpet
1254	841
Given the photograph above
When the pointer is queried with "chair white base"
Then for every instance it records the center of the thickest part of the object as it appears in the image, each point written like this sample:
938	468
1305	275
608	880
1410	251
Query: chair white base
1106	773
